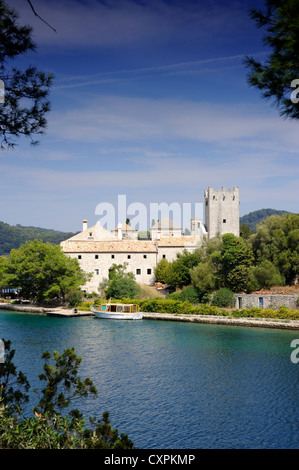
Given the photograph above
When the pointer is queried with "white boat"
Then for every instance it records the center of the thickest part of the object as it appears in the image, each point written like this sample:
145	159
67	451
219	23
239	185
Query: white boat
117	311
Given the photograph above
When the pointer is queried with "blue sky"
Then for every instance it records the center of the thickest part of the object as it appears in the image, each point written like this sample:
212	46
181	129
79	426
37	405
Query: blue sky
150	100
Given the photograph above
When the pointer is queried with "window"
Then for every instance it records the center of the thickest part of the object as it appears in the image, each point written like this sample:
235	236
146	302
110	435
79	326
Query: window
112	256
144	256
129	256
96	256
138	271
224	221
79	256
90	234
164	256
97	271
149	271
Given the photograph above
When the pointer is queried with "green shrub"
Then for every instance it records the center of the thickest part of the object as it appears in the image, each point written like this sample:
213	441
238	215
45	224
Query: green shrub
265	275
119	286
85	306
282	313
175	295
158	305
74	297
223	298
189	293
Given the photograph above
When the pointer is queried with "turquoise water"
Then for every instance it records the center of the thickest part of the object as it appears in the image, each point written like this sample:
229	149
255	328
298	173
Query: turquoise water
174	385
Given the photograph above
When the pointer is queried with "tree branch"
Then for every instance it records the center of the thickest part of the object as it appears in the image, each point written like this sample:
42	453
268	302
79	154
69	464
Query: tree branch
36	14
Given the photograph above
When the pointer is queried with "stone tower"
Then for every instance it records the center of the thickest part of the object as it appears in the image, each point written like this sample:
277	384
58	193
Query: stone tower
222	211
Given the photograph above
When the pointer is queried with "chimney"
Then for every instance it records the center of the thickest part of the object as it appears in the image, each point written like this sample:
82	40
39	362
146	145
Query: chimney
84	225
119	232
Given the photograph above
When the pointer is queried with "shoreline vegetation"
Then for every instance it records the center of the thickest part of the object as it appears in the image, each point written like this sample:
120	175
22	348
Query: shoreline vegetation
171	310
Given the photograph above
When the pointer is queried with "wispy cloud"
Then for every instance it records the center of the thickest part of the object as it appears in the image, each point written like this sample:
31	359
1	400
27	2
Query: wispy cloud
123	22
215	64
178	178
137	119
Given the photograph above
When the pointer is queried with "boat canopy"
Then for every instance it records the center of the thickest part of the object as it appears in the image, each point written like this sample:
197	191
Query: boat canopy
126	308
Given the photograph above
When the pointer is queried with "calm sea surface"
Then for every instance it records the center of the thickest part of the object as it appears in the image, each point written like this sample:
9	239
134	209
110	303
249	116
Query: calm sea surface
174	385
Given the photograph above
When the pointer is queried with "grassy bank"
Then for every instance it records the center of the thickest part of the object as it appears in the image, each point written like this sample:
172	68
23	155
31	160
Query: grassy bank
159	305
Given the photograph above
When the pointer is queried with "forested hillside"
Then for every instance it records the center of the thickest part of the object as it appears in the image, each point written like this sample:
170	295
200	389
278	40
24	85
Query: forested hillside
14	236
254	218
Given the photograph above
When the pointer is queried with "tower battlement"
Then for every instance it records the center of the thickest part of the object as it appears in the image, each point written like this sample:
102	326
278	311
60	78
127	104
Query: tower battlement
222	211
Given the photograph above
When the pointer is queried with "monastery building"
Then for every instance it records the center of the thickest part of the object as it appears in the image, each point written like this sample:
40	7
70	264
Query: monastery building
97	249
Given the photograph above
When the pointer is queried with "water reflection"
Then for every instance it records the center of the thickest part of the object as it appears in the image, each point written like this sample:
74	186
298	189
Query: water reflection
175	385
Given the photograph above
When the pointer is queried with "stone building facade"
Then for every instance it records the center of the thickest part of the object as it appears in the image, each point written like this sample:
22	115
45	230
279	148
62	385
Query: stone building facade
125	232
165	228
222	211
141	257
266	300
98	256
97	249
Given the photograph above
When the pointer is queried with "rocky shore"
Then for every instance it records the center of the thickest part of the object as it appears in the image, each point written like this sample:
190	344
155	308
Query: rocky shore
208	319
55	311
220	320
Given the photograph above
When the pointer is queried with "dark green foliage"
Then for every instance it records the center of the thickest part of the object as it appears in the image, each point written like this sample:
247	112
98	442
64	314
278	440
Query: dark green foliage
190	293
74	297
245	231
254	218
265	275
121	283
273	78
236	259
13	385
166	306
177	272
42	271
277	240
51	427
223	298
238	263
62	383
122	287
12	237
204	277
161	271
26	91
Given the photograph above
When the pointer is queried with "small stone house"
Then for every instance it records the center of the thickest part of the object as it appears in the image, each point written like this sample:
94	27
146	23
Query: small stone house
266	300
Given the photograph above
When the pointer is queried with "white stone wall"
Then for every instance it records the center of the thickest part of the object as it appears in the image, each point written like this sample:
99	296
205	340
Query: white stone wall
165	233
170	253
140	264
222	211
